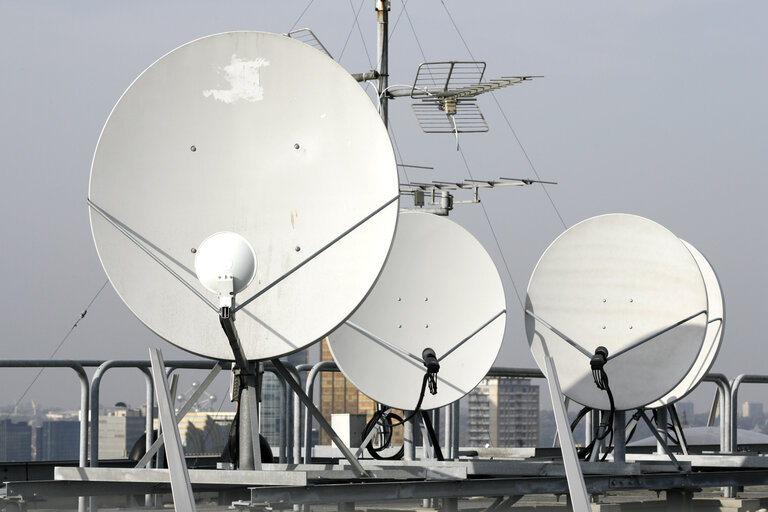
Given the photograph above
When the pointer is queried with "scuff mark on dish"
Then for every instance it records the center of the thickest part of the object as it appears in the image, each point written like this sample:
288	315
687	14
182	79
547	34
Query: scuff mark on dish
244	81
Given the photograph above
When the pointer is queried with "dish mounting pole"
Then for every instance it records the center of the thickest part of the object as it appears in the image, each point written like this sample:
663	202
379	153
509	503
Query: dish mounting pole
249	445
382	58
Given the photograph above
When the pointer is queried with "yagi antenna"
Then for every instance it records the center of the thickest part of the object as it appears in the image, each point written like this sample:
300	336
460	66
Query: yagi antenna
436	197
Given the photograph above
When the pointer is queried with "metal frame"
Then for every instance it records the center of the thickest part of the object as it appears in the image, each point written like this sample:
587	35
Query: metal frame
727	396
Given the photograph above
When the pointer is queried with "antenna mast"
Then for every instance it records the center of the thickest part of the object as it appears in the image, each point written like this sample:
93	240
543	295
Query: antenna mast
382	15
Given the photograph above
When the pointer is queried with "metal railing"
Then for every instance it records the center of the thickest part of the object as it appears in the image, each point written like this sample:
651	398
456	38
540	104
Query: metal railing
291	442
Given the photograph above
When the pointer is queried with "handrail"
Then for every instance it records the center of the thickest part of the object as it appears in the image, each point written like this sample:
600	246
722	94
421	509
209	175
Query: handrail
78	367
96	384
736	383
291	446
726	406
330	366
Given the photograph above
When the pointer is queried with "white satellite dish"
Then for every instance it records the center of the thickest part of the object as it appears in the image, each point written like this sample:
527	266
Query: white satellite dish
439	289
258	135
627	284
713	337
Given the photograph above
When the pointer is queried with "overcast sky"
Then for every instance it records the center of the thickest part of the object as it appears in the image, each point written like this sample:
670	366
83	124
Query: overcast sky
655	108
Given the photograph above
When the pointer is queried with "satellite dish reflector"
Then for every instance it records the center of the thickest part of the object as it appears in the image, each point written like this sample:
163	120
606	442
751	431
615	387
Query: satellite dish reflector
439	290
225	255
627	284
224	134
712	339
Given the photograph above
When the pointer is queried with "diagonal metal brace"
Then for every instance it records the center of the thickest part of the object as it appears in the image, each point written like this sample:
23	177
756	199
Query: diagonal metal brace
661	442
180	415
312	408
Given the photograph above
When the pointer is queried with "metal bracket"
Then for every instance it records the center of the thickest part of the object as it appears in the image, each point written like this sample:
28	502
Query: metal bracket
312	408
573	473
181	488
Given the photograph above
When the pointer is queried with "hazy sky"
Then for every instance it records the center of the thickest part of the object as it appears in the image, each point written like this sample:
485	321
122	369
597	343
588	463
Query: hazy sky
656	108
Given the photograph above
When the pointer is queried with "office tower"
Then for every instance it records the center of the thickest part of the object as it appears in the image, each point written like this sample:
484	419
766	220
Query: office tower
504	412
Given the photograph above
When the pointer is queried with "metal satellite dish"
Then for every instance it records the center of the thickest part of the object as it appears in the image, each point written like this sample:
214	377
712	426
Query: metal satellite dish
713	337
627	284
224	134
439	289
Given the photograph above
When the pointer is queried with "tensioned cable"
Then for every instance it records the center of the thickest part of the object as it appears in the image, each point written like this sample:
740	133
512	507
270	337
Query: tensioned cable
360	31
525	153
129	235
469	171
394	25
352	28
61	343
495	238
399	154
509	124
415	36
301	16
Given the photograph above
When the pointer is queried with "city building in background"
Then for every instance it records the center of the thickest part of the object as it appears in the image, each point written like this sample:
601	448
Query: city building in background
271	410
503	412
753	410
15	441
205	432
338	395
58	440
685	413
119	430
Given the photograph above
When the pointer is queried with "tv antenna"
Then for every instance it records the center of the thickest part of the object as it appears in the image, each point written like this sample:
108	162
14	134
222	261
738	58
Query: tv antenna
437	197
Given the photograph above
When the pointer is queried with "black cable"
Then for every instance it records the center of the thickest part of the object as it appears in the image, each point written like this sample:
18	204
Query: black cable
425	380
386	423
432	365
636	419
579	416
605	428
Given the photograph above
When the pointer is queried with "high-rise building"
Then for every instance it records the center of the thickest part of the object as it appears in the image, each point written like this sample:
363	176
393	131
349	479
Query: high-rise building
15	441
504	412
119	430
752	410
338	395
271	414
685	412
58	440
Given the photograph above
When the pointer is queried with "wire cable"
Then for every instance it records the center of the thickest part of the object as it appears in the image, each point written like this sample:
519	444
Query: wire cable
61	343
360	31
506	119
351	29
300	16
495	238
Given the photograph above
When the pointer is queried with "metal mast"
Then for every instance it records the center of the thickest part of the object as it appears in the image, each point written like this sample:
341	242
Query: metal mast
382	57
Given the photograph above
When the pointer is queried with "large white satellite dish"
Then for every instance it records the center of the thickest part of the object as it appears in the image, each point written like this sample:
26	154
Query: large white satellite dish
627	284
258	135
713	338
439	289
